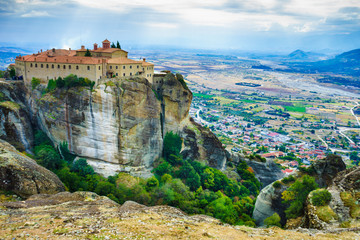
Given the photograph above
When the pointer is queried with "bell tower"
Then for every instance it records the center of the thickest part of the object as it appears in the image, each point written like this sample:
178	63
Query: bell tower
106	44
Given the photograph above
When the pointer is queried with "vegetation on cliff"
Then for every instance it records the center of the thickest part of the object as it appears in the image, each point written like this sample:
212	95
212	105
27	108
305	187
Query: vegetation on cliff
190	185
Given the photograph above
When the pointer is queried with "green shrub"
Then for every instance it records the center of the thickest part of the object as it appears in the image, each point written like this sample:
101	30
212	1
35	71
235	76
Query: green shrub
34	83
273	220
288	179
277	184
320	197
325	213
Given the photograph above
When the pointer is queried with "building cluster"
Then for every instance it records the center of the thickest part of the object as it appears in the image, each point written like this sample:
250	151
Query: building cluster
95	64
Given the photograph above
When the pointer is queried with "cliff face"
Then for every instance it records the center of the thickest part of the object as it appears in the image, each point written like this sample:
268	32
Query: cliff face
116	127
15	124
119	126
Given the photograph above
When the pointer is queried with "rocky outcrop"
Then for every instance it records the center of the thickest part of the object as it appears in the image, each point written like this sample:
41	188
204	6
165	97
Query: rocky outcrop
83	215
200	143
268	202
21	174
267	172
15	124
326	169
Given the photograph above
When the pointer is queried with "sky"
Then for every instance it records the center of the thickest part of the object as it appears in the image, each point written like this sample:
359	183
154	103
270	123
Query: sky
248	25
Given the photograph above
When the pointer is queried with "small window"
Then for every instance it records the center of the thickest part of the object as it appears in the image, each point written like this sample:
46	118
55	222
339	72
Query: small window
30	64
69	66
117	67
124	68
110	67
137	66
124	74
150	74
99	68
116	74
130	67
47	65
35	64
77	67
88	67
58	66
42	65
130	74
64	67
52	65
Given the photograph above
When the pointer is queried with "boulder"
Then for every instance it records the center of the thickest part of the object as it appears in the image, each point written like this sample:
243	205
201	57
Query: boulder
23	176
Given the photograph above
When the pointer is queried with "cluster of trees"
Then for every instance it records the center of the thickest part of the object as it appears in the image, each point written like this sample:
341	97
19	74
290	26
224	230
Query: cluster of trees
190	185
64	83
116	46
69	82
211	192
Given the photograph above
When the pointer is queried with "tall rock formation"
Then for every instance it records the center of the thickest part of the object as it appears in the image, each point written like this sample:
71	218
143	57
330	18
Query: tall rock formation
119	126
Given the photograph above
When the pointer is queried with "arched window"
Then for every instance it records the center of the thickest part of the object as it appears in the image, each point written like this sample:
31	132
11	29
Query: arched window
88	67
64	67
30	64
124	68
42	65
124	74
69	66
77	67
52	66
36	65
47	65
58	66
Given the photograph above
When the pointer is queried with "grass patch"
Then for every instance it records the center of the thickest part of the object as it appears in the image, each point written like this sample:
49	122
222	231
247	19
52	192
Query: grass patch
325	213
351	202
10	105
60	230
204	96
295	109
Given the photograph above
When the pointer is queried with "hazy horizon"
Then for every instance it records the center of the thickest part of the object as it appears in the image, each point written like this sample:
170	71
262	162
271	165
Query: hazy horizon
257	25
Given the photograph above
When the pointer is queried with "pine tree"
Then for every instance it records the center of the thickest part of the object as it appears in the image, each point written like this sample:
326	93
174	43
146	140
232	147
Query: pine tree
88	53
113	45
118	45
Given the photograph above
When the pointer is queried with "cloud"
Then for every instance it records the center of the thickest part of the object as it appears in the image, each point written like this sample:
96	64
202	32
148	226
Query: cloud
34	13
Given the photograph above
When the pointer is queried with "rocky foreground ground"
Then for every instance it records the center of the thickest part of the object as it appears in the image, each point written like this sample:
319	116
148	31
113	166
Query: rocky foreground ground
85	215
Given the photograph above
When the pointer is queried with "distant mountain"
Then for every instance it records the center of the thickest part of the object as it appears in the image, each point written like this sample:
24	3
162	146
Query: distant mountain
309	56
298	54
353	55
347	63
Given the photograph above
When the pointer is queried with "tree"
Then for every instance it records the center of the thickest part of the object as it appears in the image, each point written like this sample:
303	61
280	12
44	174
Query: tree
88	53
82	167
273	220
172	145
118	45
12	72
48	157
113	45
152	183
296	195
60	83
34	83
